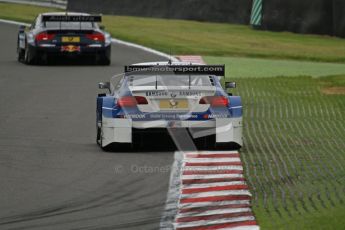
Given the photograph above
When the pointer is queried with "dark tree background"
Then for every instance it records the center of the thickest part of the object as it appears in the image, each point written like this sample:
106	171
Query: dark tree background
300	16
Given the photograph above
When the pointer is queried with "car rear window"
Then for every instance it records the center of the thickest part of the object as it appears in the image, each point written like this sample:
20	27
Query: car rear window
70	25
171	80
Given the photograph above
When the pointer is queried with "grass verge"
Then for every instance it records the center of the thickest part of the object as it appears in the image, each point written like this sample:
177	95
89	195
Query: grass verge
240	67
209	39
294	150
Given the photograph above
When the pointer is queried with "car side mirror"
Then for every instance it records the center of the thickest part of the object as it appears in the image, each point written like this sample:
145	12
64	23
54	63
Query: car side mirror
102	27
230	85
104	85
22	28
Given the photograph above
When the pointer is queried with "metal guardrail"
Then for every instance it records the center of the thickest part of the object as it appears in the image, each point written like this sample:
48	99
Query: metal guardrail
62	4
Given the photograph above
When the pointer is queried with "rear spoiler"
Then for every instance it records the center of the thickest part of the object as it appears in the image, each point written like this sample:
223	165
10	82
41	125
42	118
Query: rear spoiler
218	70
72	18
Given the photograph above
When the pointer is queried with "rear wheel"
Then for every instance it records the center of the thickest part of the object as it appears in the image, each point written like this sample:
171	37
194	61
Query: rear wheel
20	54
99	138
228	146
103	59
29	58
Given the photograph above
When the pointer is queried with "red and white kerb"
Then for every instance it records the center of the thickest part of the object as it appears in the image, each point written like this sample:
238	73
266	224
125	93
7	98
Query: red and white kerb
213	193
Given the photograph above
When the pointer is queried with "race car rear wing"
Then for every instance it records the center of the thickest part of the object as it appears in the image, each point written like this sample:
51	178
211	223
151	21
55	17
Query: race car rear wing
218	70
72	18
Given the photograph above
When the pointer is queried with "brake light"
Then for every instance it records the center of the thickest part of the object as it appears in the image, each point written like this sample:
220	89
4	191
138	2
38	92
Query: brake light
141	100
129	101
215	101
44	36
96	37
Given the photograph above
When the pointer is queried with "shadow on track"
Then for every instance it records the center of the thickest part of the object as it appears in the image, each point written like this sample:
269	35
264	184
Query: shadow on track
67	61
173	140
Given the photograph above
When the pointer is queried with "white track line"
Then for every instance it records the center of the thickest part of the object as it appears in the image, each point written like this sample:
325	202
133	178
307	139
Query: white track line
213	152
211	203
254	227
212	168
114	40
212	160
144	48
216	184
14	22
209	152
214	212
210	176
212	222
216	193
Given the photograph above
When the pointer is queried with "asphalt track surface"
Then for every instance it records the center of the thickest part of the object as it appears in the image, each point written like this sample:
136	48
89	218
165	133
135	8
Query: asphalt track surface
53	175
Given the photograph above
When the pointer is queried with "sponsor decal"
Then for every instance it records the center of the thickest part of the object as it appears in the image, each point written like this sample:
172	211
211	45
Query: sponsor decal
174	94
134	116
71	18
187	116
174	116
190	93
156	93
167	116
173	104
70	48
214	116
218	70
163	116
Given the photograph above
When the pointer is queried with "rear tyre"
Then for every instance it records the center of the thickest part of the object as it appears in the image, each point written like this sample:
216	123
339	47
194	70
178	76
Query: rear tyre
228	146
104	59
29	58
20	54
210	142
99	138
44	59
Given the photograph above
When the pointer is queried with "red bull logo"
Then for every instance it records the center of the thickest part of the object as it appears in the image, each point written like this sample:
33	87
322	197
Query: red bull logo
70	48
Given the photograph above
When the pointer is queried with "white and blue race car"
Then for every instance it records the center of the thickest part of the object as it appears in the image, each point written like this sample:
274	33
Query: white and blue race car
162	96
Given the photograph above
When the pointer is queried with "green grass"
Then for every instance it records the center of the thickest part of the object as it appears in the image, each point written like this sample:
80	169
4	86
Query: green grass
23	13
294	151
254	67
209	39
